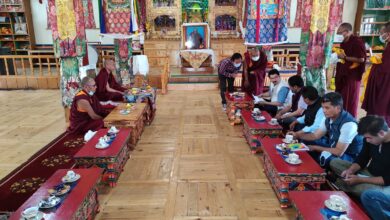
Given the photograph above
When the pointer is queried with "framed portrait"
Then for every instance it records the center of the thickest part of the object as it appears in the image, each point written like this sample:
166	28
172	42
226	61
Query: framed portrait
195	36
20	28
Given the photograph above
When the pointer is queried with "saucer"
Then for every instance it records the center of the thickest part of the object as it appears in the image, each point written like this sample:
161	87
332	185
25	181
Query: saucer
337	208
98	146
124	112
299	161
287	142
44	204
31	212
59	190
66	179
276	123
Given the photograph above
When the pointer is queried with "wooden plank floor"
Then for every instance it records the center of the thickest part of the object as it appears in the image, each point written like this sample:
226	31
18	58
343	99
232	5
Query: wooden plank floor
189	164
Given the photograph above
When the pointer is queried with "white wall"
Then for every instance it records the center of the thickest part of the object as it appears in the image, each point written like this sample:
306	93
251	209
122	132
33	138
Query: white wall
43	35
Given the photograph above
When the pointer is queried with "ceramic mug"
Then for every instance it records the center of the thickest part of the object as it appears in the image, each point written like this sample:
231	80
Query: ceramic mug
289	138
70	174
274	120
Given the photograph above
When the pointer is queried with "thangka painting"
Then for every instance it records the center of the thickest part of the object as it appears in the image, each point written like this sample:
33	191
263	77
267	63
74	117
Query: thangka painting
266	22
89	20
123	52
118	16
68	30
70	80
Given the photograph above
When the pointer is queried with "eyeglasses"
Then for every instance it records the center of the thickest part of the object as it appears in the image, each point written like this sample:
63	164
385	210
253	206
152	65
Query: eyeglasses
94	85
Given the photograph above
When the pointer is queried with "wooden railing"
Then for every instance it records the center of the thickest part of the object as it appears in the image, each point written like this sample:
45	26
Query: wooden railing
29	71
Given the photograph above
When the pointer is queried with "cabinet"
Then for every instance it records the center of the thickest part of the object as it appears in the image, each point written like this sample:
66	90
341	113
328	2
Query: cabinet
16	27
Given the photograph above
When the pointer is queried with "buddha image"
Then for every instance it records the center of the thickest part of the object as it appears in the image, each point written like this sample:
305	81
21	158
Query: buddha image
195	38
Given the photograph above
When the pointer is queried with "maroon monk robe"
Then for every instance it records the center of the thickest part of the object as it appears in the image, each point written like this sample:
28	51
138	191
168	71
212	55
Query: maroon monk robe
256	78
377	96
102	94
348	80
80	121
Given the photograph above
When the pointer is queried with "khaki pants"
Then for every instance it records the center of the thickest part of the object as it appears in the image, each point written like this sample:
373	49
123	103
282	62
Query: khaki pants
338	166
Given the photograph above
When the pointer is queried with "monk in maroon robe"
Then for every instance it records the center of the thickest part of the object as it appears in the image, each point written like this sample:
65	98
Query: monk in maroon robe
86	112
377	96
107	87
349	75
254	71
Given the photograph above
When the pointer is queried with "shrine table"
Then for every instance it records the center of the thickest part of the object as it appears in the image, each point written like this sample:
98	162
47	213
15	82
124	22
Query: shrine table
111	159
309	204
254	131
134	120
285	177
79	204
233	104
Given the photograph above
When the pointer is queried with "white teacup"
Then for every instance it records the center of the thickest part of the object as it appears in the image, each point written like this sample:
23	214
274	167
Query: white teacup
70	174
293	157
336	200
256	110
289	138
274	121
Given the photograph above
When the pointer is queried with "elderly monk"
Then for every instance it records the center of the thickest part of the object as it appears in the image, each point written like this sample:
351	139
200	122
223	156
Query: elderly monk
348	75
107	87
254	71
377	96
86	112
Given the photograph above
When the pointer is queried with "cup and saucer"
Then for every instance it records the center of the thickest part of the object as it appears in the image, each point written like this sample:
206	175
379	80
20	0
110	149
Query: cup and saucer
49	202
124	112
102	144
113	130
70	177
289	139
32	213
59	190
336	203
256	111
273	121
293	159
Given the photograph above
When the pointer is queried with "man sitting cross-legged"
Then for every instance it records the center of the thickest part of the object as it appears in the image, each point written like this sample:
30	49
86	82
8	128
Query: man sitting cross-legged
86	112
340	132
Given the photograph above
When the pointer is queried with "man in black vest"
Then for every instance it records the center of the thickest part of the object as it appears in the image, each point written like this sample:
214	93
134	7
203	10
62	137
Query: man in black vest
296	105
313	116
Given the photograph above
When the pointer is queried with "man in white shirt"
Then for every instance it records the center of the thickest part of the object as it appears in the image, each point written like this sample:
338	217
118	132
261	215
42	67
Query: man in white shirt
342	139
278	93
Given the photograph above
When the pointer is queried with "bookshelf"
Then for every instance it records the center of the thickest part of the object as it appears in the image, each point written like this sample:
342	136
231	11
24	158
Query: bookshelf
16	27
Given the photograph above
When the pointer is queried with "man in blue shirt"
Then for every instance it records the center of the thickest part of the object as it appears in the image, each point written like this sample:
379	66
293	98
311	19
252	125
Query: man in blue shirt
279	94
339	128
314	114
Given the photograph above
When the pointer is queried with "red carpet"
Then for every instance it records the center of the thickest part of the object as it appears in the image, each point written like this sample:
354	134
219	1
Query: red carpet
21	183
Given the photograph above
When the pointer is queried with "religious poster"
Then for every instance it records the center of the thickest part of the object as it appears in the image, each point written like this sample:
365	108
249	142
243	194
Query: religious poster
317	37
70	79
67	24
123	52
118	16
266	22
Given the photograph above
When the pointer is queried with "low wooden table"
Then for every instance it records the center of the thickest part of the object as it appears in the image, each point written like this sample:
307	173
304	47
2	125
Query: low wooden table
285	177
309	204
112	159
254	131
233	104
81	203
134	120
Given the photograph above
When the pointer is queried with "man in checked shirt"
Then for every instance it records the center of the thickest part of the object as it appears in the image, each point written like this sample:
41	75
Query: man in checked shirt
227	70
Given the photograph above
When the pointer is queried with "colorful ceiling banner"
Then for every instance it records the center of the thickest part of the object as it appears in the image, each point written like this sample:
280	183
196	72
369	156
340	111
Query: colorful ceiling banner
266	22
67	25
118	16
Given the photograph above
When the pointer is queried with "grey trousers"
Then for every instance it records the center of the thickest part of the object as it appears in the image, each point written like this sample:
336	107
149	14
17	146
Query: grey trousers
338	166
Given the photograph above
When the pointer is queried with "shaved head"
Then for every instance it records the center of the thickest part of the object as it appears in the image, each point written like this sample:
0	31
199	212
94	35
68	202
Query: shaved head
85	81
346	26
109	64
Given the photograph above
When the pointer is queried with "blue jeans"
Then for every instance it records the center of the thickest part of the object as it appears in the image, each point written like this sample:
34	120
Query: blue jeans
377	203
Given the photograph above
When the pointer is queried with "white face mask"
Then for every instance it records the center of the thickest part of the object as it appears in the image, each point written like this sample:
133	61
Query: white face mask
90	93
256	58
339	38
237	64
382	39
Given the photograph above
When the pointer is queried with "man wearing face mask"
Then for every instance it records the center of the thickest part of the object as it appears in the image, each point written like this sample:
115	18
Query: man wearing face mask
227	71
254	71
348	75
377	96
86	112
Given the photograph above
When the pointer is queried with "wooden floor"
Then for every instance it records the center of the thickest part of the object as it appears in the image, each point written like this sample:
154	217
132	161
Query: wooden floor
189	164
